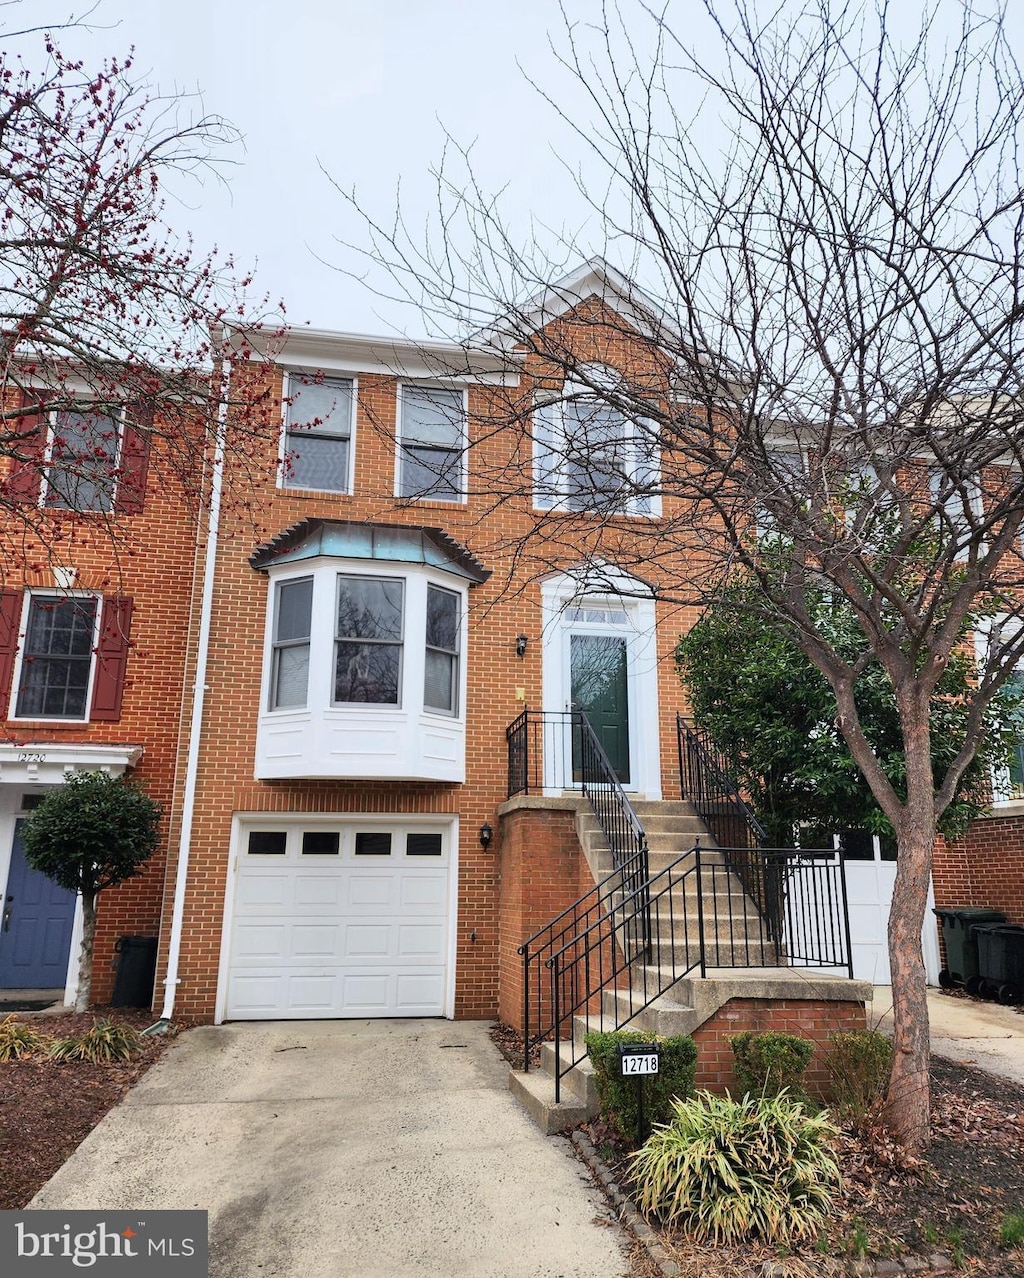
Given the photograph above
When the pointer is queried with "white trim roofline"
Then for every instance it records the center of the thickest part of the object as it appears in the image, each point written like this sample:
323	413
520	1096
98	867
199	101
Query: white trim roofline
594	278
427	359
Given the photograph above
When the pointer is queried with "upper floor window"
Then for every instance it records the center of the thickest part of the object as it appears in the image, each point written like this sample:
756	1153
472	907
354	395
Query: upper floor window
56	657
65	654
432	442
957	505
81	472
368	647
318	434
83	459
588	456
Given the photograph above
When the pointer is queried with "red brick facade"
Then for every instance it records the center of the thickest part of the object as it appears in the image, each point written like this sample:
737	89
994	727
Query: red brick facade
811	1019
534	867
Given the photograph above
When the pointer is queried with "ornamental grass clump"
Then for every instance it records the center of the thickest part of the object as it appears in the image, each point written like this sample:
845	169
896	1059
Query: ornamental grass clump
726	1170
105	1042
18	1039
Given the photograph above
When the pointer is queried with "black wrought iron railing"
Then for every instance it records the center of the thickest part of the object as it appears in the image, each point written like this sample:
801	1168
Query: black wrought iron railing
607	957
638	942
705	781
559	750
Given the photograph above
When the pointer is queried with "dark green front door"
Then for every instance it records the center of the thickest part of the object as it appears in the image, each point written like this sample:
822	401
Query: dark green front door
598	680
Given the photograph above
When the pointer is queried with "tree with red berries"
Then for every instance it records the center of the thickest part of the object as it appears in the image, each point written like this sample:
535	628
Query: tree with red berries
106	313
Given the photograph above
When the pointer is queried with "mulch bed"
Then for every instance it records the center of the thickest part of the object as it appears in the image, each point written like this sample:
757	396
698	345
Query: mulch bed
953	1200
48	1108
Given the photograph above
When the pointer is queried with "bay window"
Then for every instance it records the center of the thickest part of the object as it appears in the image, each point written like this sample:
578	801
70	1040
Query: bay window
368	649
364	675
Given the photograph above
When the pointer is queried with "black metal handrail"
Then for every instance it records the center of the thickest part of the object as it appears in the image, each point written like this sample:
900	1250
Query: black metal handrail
553	749
705	781
694	914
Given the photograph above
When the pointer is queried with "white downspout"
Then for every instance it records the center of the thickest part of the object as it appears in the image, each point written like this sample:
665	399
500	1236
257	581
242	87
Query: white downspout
198	701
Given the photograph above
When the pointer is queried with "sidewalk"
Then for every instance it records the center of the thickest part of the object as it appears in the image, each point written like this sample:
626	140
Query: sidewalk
967	1030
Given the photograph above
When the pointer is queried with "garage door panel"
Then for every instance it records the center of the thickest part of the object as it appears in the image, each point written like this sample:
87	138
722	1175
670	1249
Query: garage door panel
421	941
261	941
256	995
339	937
365	939
423	892
311	995
319	940
366	994
415	991
324	891
272	890
371	889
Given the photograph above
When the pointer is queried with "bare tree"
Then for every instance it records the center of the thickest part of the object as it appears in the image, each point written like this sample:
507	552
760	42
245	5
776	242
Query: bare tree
105	313
829	389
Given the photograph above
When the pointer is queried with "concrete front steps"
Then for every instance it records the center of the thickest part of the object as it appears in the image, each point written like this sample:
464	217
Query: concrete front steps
690	1002
673	828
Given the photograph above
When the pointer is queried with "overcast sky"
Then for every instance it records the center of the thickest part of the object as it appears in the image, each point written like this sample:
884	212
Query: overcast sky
362	91
365	92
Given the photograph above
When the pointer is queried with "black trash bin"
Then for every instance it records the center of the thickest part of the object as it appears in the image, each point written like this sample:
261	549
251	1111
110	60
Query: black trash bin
1001	960
962	947
136	971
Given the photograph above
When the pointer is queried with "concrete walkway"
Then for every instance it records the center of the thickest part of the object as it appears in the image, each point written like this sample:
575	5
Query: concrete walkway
984	1034
341	1149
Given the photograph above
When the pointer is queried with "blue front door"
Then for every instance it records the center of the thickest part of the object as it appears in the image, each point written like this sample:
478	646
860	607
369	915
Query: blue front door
35	927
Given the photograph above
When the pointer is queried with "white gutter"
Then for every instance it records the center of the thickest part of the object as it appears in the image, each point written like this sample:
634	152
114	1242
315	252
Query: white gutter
198	701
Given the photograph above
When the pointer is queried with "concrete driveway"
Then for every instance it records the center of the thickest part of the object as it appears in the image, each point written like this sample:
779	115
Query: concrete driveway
965	1030
348	1149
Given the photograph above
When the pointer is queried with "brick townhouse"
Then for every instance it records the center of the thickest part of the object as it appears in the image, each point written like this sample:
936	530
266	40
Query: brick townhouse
318	683
94	616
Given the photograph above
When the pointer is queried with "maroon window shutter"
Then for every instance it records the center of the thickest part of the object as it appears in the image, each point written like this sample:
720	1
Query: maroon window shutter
25	481
134	466
111	658
10	615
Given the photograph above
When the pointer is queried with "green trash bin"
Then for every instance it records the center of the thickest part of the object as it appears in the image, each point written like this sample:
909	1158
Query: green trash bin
962	946
1001	960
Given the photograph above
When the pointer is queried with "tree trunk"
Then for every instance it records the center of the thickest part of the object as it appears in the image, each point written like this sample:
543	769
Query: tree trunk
908	1103
83	997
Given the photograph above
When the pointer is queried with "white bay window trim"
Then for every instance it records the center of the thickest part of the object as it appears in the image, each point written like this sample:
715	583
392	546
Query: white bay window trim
409	739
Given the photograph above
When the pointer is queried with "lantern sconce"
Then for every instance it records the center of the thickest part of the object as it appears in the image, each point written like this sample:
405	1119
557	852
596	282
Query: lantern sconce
486	834
521	642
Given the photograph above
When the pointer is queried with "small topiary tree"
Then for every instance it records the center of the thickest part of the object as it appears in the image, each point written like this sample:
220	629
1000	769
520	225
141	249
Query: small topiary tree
91	833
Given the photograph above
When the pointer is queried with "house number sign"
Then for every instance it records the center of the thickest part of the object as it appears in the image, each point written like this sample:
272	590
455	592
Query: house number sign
639	1058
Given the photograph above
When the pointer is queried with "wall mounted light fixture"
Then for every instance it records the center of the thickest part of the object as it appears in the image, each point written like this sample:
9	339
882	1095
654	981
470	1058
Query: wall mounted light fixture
486	834
521	642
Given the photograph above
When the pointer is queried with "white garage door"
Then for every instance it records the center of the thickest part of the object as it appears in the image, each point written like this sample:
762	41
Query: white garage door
340	920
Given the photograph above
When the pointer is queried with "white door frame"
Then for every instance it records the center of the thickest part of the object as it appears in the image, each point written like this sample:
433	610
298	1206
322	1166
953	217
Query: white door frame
605	588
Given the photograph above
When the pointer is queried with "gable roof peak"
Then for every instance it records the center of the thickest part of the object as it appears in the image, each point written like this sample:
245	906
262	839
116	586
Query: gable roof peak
593	278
